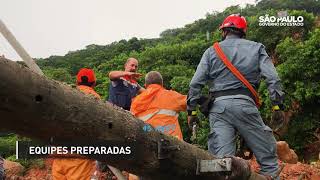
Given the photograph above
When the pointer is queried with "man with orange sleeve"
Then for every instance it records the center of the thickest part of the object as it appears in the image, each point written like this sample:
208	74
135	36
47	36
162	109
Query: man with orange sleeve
78	168
159	107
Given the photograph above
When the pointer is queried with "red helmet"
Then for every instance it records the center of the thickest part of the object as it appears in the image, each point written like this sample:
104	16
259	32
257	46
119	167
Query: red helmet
235	21
88	73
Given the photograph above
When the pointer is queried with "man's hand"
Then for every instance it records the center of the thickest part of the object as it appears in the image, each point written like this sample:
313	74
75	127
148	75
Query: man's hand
118	74
192	119
277	120
134	75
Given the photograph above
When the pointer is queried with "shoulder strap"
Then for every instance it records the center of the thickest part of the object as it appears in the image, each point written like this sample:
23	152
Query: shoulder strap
236	72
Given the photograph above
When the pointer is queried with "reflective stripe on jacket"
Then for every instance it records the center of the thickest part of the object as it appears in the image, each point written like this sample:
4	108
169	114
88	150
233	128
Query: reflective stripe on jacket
160	107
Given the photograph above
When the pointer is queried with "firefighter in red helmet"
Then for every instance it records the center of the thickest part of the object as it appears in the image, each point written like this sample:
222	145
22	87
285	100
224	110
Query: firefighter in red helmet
86	81
78	168
235	24
233	69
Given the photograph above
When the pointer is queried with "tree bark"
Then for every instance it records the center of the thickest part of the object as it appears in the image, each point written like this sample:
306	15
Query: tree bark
36	107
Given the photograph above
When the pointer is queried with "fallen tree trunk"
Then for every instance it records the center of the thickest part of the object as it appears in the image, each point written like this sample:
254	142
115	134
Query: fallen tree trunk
36	107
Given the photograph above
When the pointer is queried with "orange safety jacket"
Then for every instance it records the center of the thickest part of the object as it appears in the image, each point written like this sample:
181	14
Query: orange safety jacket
160	108
88	90
75	168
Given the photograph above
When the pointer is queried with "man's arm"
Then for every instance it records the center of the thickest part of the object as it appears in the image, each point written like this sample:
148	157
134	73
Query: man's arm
268	71
198	81
180	101
141	89
113	75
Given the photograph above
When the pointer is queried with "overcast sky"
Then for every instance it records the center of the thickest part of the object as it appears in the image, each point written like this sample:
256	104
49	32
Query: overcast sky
54	27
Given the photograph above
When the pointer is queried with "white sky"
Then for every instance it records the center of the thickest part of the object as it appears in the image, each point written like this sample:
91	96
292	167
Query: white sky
54	27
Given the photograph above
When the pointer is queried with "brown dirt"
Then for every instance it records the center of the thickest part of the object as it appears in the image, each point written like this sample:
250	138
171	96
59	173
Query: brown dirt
45	173
311	151
13	168
297	171
286	154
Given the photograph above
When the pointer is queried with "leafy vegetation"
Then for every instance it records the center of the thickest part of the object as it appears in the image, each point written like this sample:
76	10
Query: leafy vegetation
8	150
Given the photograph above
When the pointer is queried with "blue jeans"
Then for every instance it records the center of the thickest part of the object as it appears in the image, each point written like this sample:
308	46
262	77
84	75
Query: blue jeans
238	113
